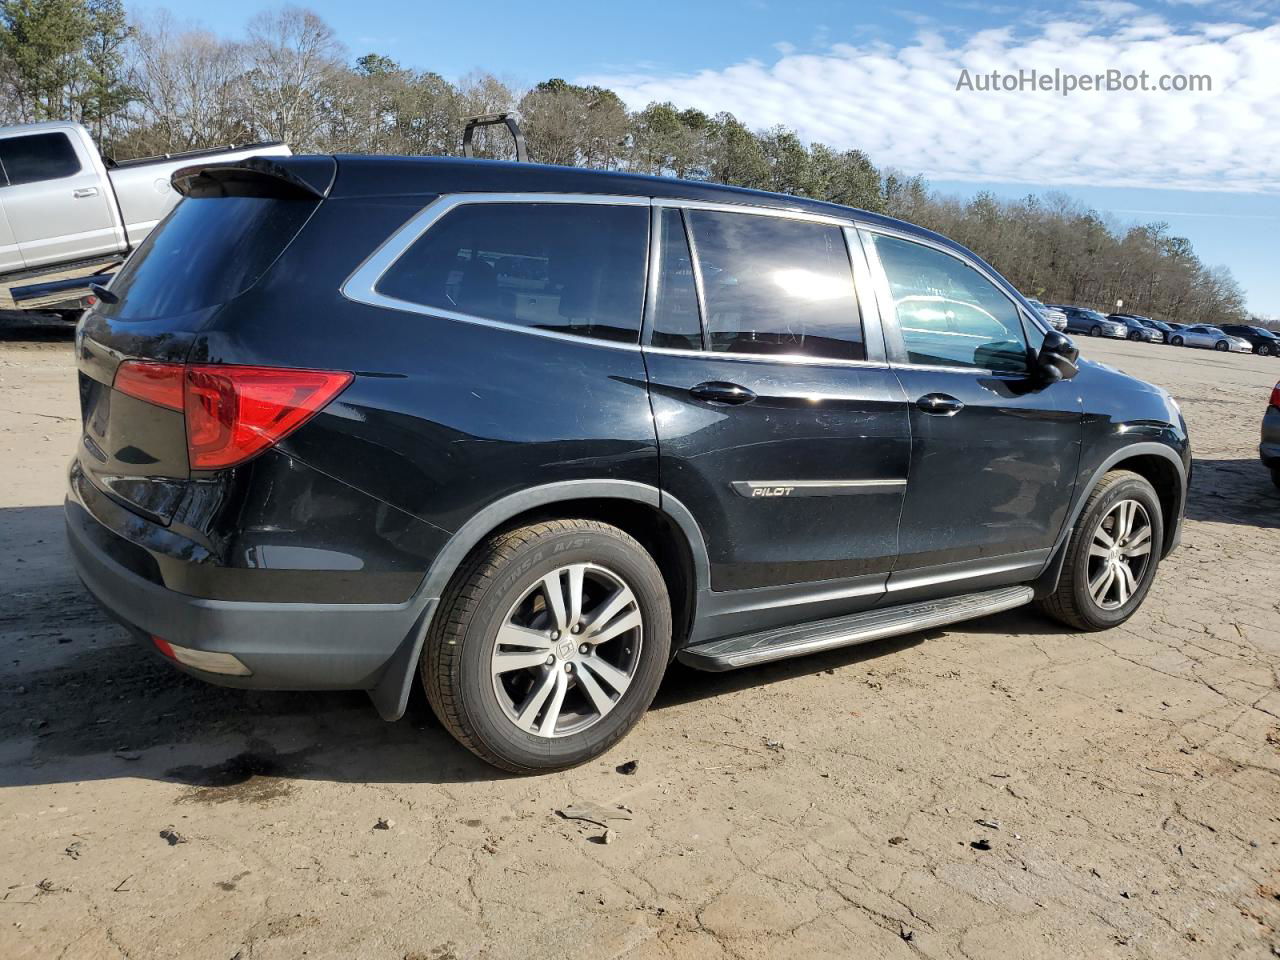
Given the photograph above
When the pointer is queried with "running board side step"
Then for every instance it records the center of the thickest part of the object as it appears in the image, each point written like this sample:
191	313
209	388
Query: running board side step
781	643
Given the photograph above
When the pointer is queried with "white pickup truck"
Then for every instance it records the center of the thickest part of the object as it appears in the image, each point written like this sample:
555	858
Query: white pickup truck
68	217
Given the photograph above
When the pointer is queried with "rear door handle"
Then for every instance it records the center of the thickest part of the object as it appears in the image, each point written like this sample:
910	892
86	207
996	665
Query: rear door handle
83	192
717	391
940	404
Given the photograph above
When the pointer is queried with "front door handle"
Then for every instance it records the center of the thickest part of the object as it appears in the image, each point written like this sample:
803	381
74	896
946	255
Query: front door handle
717	391
940	404
83	192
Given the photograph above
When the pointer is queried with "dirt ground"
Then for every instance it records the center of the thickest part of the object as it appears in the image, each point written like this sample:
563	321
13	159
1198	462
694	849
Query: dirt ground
1002	789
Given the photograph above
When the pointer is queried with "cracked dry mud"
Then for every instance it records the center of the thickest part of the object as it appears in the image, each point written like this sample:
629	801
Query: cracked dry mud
821	807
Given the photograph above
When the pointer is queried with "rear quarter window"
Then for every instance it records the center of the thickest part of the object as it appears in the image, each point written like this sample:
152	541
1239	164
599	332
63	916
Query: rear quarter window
574	268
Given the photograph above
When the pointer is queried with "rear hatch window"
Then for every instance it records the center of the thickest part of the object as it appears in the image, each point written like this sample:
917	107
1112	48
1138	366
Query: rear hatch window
207	251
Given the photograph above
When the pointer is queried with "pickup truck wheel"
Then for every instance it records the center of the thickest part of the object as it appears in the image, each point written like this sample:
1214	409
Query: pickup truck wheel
548	645
1112	555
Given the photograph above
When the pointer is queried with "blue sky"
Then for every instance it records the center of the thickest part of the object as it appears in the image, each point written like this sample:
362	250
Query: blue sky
883	77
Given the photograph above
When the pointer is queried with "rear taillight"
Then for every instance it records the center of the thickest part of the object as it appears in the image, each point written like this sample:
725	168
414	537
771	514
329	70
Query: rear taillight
1275	396
236	412
232	412
158	383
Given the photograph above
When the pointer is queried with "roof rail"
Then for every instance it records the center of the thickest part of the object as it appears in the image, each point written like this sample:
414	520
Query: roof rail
490	120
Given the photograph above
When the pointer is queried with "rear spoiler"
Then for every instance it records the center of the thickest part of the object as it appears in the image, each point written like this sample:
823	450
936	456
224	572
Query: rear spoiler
284	178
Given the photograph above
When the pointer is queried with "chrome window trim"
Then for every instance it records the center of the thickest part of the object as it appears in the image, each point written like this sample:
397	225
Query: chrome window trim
797	359
868	274
787	213
895	344
362	285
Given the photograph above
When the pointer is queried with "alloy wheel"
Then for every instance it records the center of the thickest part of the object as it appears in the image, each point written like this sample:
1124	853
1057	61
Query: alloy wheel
568	650
1119	554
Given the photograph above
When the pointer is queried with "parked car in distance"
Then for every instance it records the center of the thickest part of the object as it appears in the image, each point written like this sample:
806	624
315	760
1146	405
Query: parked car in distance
1055	317
1165	328
1091	322
1264	342
1138	327
62	204
1210	338
1270	447
531	432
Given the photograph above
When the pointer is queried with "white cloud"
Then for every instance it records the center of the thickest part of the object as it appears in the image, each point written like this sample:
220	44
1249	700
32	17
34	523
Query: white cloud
902	107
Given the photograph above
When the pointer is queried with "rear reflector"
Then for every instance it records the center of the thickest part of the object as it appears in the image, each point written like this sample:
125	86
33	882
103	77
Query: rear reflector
232	412
206	660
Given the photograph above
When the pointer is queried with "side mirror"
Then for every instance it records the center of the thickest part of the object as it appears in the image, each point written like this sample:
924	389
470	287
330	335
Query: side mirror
1057	357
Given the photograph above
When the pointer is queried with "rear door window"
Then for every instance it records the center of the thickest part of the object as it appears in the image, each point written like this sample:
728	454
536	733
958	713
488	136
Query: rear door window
574	268
775	285
39	156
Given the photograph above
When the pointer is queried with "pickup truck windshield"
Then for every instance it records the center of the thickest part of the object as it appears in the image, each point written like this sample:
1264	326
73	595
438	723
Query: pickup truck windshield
205	252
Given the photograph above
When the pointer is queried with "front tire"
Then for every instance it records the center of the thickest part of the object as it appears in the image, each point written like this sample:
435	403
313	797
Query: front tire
1222	346
548	645
1135	336
1112	556
1095	331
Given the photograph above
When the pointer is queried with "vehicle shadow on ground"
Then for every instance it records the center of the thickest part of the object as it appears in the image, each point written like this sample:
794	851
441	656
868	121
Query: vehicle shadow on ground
81	701
1233	491
39	328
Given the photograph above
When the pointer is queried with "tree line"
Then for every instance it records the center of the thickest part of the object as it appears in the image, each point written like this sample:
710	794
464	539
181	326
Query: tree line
153	86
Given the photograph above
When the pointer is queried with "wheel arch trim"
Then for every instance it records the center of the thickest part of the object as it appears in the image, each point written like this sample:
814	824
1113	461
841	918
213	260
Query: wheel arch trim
1047	582
391	694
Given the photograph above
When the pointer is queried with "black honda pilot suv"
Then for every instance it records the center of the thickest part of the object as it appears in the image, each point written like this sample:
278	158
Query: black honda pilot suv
532	432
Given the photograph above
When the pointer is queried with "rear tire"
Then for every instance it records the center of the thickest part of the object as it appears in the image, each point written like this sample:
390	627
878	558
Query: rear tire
1085	598
486	690
1176	341
1263	350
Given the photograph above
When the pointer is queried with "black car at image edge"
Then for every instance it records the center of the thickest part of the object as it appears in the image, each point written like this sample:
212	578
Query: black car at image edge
532	432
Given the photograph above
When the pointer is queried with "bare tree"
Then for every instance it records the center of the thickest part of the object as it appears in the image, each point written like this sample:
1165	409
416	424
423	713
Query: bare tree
189	85
294	60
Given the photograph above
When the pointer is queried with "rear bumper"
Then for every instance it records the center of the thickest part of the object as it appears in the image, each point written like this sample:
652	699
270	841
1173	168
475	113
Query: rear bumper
285	646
